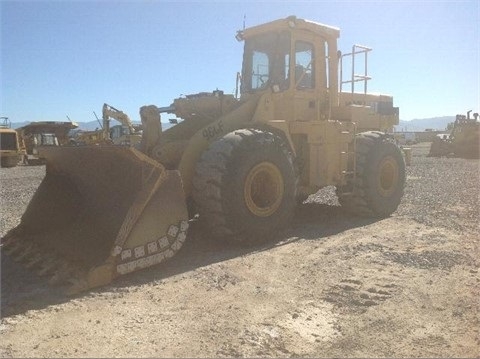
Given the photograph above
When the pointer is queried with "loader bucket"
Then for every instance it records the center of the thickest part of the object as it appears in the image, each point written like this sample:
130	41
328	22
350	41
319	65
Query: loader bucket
100	211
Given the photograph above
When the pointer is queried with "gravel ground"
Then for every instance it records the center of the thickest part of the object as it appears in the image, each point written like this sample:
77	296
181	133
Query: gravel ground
331	285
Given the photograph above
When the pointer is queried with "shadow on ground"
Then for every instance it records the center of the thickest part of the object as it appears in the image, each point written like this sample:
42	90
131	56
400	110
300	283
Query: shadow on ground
22	290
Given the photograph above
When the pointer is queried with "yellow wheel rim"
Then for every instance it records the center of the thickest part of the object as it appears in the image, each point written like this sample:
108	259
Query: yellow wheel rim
264	189
388	176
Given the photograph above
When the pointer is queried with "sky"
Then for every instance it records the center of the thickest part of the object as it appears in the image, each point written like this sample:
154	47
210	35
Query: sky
67	58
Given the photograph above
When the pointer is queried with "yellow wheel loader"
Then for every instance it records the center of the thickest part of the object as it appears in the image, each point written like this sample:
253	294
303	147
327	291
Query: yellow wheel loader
10	149
463	141
242	163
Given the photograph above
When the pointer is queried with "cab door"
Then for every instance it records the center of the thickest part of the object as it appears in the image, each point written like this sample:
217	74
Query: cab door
309	77
311	109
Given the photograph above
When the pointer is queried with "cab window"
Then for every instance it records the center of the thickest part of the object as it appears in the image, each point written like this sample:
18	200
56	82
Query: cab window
304	65
266	61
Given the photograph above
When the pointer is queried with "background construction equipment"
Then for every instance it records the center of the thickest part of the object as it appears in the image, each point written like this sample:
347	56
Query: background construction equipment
43	133
10	150
463	141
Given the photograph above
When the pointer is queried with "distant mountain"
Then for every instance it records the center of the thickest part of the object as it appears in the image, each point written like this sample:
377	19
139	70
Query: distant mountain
421	124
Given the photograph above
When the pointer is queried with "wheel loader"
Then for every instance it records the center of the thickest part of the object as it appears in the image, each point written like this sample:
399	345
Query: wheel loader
242	164
463	141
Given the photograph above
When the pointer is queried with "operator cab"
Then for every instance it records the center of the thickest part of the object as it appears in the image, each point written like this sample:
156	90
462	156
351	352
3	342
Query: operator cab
266	62
287	54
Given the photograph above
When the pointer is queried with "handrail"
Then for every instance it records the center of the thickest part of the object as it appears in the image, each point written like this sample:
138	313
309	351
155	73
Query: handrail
356	50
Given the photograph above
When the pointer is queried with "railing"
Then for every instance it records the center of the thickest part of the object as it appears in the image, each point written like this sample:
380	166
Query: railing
356	50
5	122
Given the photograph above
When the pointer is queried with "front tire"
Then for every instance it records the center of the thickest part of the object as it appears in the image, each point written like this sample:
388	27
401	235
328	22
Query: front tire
245	186
379	180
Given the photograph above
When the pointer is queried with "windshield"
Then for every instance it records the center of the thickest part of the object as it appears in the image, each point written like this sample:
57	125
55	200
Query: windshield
8	141
266	61
46	139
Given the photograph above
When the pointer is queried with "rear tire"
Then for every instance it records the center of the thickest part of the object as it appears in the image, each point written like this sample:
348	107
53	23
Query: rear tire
380	177
245	186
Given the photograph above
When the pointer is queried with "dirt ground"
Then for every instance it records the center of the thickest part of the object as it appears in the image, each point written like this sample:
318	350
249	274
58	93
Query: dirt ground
332	285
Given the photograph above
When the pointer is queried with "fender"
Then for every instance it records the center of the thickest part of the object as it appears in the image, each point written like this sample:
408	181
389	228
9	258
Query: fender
229	122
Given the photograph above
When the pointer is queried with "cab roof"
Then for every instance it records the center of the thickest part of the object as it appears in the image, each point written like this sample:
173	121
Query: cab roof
290	23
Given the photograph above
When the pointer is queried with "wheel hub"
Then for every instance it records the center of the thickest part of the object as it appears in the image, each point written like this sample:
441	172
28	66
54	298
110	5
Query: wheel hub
388	176
264	189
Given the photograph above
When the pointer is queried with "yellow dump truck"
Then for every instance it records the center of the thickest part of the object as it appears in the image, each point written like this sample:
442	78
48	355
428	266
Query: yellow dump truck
37	135
242	164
